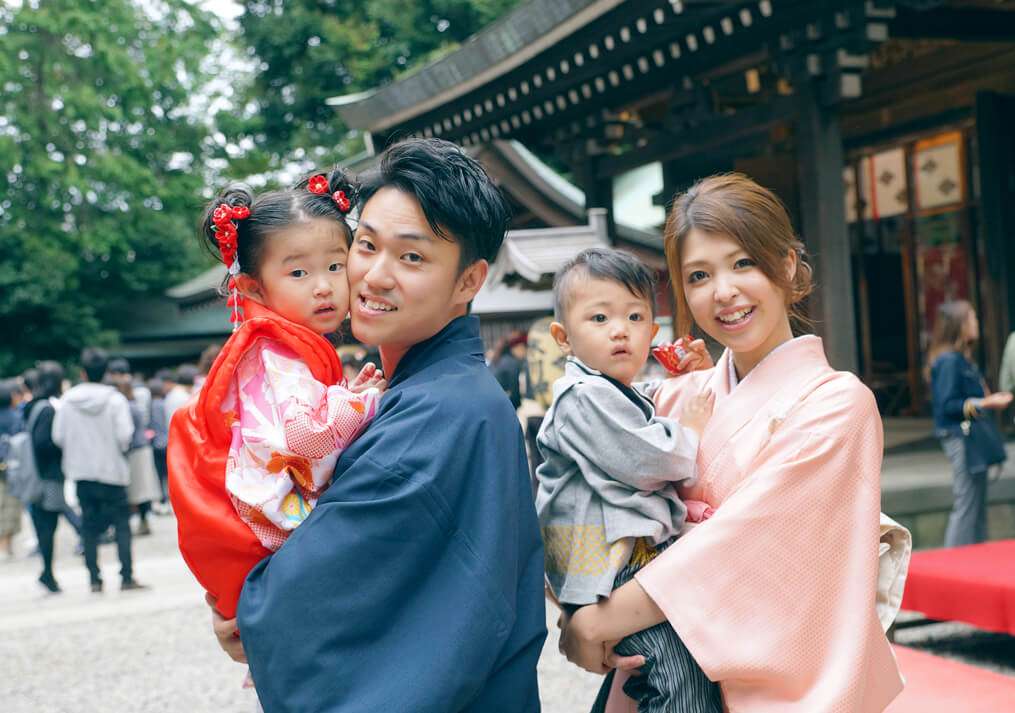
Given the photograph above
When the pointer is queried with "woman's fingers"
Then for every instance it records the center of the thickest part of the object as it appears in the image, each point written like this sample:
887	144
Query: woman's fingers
626	663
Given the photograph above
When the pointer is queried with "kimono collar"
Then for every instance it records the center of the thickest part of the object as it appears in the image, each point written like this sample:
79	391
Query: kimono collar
776	382
575	367
731	367
460	336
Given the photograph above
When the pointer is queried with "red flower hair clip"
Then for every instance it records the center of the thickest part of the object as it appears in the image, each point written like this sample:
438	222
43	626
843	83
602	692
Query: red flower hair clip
342	201
319	184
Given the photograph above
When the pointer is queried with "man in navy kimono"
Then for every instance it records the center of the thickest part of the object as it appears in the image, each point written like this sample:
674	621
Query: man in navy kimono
416	584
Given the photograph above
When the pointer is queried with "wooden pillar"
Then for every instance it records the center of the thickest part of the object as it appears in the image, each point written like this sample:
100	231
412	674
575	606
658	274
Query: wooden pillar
820	162
598	191
994	116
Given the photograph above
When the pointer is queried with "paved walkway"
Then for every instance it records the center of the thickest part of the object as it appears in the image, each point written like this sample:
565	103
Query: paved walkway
149	651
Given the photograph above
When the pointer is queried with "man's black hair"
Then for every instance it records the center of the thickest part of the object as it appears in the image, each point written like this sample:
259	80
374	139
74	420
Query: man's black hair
458	198
118	365
94	362
185	374
602	264
49	380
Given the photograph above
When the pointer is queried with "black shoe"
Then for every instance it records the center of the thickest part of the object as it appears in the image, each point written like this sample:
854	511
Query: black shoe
132	585
49	583
96	587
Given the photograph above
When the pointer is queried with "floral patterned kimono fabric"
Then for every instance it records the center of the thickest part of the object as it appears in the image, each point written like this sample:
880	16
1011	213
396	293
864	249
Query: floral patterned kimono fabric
250	456
775	595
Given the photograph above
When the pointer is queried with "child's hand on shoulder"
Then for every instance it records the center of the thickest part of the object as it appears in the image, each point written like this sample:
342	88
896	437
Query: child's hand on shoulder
698	410
369	377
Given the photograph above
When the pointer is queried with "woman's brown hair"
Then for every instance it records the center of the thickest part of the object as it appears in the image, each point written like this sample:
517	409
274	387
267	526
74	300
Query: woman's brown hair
947	335
733	205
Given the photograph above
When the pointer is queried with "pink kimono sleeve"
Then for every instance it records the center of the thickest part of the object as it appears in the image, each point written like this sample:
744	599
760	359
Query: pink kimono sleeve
774	595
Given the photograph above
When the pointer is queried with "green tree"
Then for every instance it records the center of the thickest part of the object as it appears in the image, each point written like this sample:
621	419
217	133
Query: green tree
103	156
306	51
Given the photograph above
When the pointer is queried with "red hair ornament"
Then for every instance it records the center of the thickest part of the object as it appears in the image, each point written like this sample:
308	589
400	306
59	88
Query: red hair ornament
225	235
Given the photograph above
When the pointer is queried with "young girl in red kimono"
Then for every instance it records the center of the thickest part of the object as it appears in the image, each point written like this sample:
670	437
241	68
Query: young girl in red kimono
249	458
777	595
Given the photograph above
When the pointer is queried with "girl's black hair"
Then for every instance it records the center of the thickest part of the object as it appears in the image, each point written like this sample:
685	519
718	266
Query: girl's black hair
274	211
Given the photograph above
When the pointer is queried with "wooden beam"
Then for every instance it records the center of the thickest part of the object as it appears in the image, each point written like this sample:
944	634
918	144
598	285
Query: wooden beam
708	135
964	25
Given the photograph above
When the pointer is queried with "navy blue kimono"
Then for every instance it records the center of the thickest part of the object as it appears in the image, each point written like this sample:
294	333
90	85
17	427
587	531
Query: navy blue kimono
416	584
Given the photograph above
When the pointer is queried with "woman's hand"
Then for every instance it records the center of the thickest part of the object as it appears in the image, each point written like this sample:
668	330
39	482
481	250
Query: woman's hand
697	357
369	377
227	633
998	401
584	648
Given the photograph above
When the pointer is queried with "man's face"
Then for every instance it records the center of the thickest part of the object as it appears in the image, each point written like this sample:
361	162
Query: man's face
403	278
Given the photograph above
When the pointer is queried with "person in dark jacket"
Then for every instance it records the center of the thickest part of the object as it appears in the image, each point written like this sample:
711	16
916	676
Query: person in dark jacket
47	384
510	368
959	396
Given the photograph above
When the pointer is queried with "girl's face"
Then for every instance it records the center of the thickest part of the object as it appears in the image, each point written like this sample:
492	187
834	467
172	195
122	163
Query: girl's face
732	299
302	275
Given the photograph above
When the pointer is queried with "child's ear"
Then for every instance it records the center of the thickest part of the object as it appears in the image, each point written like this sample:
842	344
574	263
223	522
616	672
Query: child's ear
249	287
559	333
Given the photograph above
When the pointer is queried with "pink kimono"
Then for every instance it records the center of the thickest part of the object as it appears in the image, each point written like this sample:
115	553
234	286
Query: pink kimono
775	594
288	431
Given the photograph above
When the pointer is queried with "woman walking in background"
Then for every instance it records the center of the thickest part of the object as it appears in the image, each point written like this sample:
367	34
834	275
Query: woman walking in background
47	385
963	420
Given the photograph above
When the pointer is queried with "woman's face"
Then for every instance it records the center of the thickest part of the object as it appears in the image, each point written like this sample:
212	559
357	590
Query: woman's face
971	328
732	299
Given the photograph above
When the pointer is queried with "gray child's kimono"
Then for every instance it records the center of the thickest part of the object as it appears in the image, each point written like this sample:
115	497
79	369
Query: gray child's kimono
609	476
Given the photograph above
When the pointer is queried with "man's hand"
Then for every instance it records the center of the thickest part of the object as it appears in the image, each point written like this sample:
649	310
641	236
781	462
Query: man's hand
226	632
369	377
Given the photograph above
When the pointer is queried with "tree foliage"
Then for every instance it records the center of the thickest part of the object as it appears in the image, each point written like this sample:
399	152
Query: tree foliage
306	51
102	157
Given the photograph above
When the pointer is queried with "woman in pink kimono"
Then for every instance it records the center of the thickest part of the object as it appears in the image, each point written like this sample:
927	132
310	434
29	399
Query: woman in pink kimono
775	595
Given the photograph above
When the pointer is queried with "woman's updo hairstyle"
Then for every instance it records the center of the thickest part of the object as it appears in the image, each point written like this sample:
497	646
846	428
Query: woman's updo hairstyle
277	210
733	205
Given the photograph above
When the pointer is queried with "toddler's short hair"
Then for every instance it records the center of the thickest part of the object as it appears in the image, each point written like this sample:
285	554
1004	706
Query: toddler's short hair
602	264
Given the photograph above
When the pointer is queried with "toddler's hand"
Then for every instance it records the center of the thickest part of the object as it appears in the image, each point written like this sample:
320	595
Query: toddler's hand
369	377
698	410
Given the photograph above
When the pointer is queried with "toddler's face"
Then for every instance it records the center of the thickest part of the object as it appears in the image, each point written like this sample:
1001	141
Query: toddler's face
608	327
303	276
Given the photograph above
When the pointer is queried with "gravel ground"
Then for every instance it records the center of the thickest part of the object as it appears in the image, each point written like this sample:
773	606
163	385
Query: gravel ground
149	651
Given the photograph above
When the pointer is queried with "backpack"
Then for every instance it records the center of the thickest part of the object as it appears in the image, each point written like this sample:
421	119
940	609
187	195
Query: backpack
23	480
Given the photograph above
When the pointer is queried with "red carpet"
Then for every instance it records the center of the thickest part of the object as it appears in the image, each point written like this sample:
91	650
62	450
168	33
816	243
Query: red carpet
974	584
937	685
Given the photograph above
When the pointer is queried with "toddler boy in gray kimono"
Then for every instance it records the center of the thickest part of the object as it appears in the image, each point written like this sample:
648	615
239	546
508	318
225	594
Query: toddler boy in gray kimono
607	498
